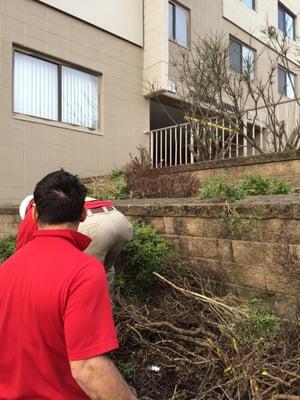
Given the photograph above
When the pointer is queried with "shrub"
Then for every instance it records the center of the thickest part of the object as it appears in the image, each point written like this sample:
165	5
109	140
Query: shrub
7	248
110	187
280	186
145	181
143	255
217	187
251	185
260	324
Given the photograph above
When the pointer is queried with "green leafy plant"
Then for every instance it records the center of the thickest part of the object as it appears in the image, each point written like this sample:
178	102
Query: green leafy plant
119	189
280	186
260	324
253	185
7	248
110	187
116	173
217	187
127	369
250	185
237	223
140	257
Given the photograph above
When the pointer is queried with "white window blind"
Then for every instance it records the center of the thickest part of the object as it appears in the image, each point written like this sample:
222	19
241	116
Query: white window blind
35	87
80	100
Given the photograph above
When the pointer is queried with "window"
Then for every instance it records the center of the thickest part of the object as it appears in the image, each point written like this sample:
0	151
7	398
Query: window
286	83
241	58
54	91
178	24
249	3
286	22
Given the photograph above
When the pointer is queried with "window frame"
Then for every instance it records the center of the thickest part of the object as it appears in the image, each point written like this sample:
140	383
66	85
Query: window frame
287	73
285	10
253	5
60	64
173	38
240	43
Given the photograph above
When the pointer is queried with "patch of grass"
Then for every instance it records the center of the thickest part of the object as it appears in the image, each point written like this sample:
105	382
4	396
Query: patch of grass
7	248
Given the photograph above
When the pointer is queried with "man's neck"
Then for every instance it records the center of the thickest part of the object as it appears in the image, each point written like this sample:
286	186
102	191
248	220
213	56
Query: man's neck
68	226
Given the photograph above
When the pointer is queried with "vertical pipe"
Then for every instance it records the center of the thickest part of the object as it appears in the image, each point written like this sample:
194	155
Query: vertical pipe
186	144
161	149
170	142
192	146
223	139
166	148
151	148
180	145
253	138
245	143
156	148
175	145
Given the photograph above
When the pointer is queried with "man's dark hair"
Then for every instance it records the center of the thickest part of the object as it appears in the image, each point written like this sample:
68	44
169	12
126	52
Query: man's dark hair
59	198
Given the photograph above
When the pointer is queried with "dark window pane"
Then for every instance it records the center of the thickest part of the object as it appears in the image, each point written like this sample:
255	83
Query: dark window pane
235	56
171	21
281	81
281	19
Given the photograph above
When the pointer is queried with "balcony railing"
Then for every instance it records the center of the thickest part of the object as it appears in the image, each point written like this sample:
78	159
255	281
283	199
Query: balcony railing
180	144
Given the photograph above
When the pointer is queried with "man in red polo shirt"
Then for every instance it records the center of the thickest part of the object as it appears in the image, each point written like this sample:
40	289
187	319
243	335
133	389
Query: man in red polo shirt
55	314
107	228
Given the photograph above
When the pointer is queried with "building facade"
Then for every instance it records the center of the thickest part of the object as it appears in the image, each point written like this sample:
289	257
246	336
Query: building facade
79	80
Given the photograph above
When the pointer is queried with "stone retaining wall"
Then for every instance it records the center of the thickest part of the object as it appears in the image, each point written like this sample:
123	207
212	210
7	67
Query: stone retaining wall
283	165
260	262
9	221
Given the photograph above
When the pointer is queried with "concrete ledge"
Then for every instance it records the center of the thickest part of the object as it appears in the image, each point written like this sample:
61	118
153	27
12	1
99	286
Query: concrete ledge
280	206
234	162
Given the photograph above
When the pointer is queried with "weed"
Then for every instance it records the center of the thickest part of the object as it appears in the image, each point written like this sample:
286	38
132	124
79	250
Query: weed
250	185
127	369
280	186
260	324
236	223
7	248
110	187
217	187
116	173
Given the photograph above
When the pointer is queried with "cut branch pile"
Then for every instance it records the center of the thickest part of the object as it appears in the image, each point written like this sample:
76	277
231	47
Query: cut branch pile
183	346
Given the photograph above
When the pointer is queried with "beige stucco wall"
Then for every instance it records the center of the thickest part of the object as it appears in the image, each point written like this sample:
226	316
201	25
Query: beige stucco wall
266	13
156	51
122	18
31	148
232	17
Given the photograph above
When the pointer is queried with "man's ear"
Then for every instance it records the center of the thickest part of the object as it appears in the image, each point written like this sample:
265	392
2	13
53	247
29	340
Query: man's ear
83	215
34	214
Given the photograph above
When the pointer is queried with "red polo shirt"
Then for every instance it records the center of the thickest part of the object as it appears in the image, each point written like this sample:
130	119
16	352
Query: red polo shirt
54	307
